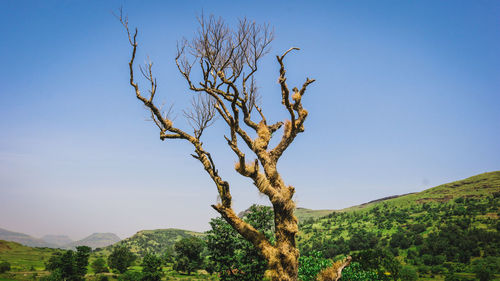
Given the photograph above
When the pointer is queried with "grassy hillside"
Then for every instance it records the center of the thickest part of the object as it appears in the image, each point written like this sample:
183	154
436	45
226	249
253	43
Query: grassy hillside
304	214
156	241
478	186
24	260
448	227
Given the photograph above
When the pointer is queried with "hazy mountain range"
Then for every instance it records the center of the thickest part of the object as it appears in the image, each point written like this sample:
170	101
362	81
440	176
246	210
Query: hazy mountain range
96	240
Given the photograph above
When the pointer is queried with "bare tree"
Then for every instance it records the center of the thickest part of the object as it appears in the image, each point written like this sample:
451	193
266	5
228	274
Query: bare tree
228	60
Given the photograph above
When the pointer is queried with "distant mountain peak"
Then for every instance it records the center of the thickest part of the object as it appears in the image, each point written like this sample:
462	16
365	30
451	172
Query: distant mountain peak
59	240
95	240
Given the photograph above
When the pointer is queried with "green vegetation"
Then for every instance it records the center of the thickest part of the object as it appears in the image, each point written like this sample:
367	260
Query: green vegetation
311	265
304	214
151	268
232	257
447	233
4	267
121	258
188	254
159	241
435	232
68	265
24	258
99	265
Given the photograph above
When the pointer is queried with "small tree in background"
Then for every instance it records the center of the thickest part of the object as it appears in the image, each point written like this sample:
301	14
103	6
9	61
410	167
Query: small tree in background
99	265
4	267
486	268
69	265
188	251
151	268
82	260
408	274
121	258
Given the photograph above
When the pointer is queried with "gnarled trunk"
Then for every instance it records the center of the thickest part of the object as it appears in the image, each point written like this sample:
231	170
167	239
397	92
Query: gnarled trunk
284	264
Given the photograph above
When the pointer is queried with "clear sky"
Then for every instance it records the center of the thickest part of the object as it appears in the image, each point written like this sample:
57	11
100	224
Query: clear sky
407	97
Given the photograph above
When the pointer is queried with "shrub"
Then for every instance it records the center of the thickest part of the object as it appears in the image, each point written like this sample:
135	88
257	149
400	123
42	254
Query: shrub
408	274
4	267
310	266
354	272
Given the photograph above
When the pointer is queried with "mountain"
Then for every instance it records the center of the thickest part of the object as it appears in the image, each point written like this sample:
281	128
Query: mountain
96	240
24	239
157	241
59	240
451	226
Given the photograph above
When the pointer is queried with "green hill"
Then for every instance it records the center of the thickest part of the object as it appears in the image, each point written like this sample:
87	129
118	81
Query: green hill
448	226
478	186
24	258
156	241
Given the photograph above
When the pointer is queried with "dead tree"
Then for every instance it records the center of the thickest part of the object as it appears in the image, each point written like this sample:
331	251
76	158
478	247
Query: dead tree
228	60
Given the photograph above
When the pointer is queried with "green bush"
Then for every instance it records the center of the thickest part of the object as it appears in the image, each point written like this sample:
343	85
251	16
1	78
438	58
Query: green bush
354	272
4	267
310	266
99	266
130	276
408	274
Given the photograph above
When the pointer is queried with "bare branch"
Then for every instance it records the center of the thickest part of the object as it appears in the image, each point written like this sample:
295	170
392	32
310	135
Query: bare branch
202	114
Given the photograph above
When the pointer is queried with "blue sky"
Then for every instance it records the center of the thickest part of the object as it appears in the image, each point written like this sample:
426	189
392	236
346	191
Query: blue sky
407	97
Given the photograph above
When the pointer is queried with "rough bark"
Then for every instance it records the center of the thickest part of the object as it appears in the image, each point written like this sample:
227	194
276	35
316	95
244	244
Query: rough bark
228	60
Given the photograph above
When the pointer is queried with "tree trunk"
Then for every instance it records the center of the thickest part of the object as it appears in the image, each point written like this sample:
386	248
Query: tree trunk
284	263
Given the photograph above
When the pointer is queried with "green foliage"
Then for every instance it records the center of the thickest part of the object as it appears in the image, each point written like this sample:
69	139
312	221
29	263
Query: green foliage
486	268
354	272
188	252
156	241
151	268
310	266
55	275
121	258
99	266
4	267
130	276
230	255
408	274
23	258
82	260
69	265
103	278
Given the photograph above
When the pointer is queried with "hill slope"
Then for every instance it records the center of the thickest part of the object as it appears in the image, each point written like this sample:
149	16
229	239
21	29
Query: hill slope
447	226
156	241
24	258
478	186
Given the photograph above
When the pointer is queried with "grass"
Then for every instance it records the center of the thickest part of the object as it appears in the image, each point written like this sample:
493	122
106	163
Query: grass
23	258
